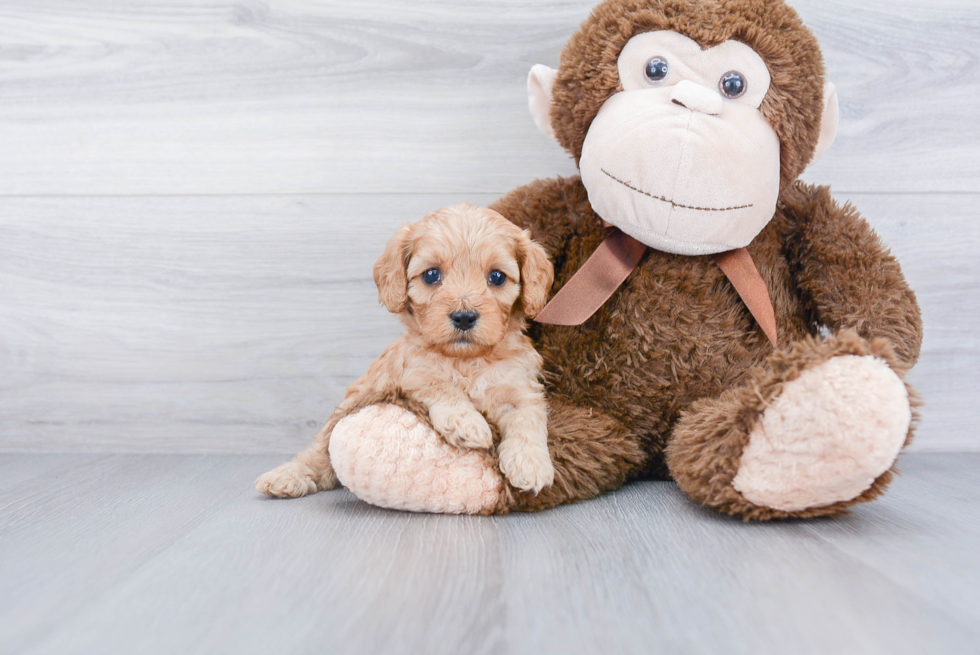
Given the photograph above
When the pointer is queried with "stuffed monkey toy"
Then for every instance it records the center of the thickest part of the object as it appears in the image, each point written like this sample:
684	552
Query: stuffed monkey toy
715	321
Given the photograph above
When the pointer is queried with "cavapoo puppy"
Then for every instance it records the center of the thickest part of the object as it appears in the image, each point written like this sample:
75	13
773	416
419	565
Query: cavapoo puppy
462	280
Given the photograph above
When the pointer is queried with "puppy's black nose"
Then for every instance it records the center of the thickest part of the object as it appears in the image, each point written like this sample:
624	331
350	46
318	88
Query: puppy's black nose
464	320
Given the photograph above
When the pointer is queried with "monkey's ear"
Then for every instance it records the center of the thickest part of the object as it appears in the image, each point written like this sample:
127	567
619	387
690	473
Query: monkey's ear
390	274
539	83
537	274
828	122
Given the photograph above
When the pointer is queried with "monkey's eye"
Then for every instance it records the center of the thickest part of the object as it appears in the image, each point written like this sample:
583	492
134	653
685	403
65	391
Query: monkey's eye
432	276
732	84
497	278
656	69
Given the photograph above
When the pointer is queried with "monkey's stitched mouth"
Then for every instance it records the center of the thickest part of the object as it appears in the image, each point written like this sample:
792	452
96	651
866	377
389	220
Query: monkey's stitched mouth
672	203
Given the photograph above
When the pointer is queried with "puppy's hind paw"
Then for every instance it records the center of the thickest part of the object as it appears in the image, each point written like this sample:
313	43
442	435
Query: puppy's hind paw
527	467
289	480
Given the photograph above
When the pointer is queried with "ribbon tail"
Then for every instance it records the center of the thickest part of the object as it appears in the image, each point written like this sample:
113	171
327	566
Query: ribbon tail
741	271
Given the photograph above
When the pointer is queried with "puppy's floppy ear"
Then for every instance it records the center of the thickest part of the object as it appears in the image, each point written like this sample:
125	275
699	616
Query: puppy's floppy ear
537	274
389	272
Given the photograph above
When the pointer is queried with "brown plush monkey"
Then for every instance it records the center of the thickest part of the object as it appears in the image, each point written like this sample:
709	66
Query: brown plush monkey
691	122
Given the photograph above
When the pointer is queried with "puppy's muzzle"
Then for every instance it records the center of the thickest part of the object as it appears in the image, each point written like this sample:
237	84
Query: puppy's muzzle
464	321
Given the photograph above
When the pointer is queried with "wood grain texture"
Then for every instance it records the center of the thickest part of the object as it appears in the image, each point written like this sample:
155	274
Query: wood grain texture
178	319
291	96
177	554
188	324
234	324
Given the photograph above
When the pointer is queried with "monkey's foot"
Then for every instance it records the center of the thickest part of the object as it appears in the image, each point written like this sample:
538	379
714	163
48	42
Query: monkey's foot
813	432
387	457
827	437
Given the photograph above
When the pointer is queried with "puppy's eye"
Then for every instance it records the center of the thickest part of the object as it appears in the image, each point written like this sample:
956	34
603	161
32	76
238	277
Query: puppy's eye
497	278
733	84
432	276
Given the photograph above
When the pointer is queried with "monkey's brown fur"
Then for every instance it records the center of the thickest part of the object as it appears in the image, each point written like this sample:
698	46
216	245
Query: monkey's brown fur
668	378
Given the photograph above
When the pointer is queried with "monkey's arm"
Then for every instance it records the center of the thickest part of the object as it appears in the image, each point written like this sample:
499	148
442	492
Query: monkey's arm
849	276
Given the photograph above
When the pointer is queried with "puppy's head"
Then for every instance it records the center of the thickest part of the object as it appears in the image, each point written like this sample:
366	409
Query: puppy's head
462	277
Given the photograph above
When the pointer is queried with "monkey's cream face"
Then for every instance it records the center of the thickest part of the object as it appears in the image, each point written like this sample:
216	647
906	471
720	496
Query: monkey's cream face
682	159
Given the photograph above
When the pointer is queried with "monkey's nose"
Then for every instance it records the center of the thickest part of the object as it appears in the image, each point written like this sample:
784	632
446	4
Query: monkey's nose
695	97
464	321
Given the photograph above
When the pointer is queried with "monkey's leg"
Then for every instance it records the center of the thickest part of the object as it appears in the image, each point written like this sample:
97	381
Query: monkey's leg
387	456
814	431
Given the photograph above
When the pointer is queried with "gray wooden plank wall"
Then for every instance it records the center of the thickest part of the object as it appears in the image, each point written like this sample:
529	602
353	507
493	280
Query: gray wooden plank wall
192	195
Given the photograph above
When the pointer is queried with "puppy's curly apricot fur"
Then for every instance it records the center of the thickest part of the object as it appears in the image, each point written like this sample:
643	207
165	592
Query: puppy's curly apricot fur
462	280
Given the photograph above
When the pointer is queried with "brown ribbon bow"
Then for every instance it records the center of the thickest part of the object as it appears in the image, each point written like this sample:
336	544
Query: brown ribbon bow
616	257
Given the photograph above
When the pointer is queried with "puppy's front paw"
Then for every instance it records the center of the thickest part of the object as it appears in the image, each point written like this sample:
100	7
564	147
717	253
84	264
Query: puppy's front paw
289	480
526	466
461	428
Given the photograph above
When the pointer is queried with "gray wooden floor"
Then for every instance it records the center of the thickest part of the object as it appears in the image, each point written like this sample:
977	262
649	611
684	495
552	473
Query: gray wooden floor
177	554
